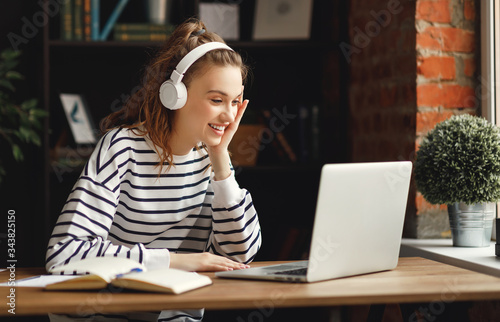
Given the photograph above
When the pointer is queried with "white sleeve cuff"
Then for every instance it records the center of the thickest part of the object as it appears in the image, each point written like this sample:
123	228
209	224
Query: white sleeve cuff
227	192
156	258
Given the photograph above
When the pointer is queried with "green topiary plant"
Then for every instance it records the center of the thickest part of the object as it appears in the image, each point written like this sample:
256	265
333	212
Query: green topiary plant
19	123
459	161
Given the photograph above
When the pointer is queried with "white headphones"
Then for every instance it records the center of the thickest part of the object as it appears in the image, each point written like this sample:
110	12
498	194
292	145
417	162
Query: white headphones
173	92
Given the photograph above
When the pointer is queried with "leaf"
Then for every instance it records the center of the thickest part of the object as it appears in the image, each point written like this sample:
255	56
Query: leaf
38	113
24	133
12	74
35	139
29	104
24	118
34	122
18	154
10	54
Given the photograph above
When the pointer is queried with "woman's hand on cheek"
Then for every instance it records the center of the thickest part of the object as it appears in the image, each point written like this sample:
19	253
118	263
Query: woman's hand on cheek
218	154
231	128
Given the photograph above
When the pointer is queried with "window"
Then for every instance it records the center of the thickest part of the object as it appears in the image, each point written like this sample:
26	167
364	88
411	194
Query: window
490	60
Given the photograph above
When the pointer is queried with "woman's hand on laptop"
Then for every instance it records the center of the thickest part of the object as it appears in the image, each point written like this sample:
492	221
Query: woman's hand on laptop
203	262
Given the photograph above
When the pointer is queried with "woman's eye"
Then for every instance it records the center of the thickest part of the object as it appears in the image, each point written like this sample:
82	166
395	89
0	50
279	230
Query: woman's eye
217	101
236	102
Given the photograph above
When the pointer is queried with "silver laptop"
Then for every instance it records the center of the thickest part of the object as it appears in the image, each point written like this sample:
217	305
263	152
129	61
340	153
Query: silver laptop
358	224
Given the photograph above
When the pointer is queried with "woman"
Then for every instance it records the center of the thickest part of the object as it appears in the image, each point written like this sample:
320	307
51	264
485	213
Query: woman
159	187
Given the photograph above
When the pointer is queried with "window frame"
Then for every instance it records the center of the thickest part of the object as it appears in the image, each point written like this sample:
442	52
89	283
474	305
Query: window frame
490	53
490	69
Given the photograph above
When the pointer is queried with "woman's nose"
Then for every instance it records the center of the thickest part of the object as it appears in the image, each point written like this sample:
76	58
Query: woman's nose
229	114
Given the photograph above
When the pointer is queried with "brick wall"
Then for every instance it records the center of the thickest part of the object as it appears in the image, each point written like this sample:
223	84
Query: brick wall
446	46
412	64
382	93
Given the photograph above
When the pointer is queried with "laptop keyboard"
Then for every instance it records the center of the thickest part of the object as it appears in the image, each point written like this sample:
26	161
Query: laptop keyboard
298	271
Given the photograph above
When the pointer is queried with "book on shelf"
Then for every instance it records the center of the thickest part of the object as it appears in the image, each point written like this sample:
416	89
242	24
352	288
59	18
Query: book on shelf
67	20
87	20
95	14
142	32
124	273
78	21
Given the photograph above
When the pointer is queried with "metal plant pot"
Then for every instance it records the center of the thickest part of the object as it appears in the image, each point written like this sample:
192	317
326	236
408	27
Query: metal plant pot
471	225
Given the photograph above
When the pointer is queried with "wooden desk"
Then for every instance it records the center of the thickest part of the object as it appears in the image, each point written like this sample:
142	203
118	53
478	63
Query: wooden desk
414	280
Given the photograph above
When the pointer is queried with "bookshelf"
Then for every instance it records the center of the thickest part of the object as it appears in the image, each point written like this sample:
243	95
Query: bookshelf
287	77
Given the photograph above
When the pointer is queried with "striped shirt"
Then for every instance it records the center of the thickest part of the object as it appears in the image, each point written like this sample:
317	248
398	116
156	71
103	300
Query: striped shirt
121	206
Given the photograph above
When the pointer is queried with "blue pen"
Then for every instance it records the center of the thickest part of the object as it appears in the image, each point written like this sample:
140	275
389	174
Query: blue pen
133	270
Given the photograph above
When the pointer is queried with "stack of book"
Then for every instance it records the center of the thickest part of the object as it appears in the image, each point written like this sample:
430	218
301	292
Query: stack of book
141	32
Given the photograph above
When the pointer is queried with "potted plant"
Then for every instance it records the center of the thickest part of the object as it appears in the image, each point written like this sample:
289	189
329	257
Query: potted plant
458	164
20	123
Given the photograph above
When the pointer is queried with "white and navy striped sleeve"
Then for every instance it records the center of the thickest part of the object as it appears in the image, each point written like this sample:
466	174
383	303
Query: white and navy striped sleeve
236	230
83	226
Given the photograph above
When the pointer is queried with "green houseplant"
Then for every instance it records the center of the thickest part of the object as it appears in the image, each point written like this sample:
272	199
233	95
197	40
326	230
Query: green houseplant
20	123
458	164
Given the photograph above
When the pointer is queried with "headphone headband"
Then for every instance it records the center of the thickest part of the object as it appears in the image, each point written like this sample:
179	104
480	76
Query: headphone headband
173	92
192	57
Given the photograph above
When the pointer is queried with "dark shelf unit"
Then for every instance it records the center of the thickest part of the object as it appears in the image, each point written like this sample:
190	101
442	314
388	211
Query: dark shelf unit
284	44
286	75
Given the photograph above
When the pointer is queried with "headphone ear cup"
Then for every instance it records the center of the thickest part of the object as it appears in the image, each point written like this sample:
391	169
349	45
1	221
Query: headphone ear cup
173	96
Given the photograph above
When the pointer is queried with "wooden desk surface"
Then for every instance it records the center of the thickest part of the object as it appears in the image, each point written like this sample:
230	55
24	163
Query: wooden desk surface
414	280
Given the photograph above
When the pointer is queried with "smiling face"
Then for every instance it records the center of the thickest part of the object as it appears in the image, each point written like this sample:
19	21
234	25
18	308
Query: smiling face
212	104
